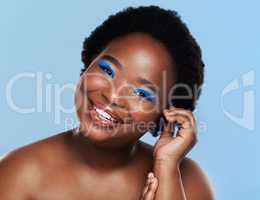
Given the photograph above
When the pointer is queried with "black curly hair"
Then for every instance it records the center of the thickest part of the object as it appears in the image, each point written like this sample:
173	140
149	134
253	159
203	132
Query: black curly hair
167	27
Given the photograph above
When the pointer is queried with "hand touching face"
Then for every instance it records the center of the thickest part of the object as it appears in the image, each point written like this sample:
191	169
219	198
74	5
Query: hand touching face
171	148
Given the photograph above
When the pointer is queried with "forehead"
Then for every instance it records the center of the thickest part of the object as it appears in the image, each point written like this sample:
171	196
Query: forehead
140	54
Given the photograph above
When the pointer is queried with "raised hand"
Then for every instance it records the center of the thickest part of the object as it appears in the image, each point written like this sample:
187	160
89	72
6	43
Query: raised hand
172	149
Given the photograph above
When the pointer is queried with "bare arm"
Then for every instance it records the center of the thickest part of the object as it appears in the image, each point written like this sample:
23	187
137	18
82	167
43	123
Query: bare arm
178	181
184	182
170	183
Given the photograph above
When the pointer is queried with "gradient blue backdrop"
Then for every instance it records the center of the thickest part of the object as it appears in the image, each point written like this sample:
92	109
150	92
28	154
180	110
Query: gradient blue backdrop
47	37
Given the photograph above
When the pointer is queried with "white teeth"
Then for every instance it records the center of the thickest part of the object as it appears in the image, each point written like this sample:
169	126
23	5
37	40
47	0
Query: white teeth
104	114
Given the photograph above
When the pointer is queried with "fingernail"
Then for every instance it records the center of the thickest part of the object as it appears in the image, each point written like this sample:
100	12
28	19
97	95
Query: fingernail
150	175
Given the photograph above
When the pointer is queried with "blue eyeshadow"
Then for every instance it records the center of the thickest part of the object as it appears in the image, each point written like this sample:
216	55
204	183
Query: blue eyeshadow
146	94
106	67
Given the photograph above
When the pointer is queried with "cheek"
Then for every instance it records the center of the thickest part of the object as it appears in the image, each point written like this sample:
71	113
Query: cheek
80	101
143	117
88	82
144	121
142	108
94	80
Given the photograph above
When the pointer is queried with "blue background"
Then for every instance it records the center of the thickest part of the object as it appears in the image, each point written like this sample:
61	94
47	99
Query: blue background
47	37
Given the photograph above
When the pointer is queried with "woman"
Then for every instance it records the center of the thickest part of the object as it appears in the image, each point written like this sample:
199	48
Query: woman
139	66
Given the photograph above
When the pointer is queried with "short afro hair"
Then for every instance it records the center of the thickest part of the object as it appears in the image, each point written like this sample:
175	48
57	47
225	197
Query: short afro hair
167	27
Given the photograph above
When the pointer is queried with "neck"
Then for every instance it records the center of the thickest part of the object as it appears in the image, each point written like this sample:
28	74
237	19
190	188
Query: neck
99	157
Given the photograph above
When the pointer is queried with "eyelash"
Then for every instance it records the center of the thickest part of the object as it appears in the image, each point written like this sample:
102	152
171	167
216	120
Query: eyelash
146	94
107	68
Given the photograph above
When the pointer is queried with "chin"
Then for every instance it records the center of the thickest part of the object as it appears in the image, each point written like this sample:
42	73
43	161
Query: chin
107	138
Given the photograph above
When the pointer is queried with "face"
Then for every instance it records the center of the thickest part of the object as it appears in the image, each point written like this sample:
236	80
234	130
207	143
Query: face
124	90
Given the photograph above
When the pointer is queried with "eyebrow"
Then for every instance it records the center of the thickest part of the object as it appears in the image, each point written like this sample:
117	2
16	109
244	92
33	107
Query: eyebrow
119	65
112	60
145	81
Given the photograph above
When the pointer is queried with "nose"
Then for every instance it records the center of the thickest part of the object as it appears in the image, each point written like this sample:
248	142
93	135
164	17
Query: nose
116	97
114	102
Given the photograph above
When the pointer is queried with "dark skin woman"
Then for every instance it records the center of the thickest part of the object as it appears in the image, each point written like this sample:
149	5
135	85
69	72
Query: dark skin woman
103	159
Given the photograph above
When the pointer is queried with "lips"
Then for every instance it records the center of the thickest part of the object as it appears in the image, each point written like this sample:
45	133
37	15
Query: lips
103	115
109	111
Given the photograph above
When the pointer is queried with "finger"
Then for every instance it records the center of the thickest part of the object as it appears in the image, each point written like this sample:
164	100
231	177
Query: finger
168	128
148	181
145	191
191	121
186	131
181	111
167	131
150	194
180	120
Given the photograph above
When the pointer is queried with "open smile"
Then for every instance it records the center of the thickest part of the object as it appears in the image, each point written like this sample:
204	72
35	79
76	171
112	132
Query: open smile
103	116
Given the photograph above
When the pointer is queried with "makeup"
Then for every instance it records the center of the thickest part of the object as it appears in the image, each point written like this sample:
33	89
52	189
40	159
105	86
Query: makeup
102	119
106	67
145	93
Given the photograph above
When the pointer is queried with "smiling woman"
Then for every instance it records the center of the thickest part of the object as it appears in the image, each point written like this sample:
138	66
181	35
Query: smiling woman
140	65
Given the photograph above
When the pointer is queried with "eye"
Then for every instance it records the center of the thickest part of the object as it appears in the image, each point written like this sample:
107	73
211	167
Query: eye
145	94
106	67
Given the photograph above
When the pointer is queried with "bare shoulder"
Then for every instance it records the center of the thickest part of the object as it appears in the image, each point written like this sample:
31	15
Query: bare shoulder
195	181
22	169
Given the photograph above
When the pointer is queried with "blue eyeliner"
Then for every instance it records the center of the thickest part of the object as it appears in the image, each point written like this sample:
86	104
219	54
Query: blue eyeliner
146	94
105	66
